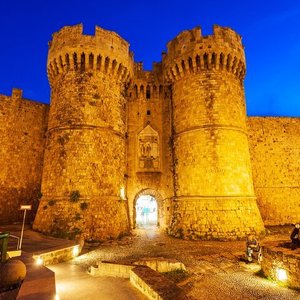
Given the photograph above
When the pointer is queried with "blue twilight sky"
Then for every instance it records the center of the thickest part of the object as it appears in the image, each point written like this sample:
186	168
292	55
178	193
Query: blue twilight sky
270	30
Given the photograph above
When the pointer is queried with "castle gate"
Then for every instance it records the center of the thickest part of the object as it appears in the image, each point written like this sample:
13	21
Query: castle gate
148	208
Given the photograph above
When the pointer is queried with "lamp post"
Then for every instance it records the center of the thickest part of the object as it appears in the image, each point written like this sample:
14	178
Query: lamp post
25	208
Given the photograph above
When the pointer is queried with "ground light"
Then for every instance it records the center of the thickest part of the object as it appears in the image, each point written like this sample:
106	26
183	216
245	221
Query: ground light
75	251
281	274
39	261
56	297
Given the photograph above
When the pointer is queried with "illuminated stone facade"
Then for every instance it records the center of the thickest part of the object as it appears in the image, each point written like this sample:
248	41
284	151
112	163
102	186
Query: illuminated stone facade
180	133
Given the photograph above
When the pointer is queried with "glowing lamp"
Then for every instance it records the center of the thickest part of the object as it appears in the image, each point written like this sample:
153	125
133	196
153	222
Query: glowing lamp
281	274
75	251
39	261
122	193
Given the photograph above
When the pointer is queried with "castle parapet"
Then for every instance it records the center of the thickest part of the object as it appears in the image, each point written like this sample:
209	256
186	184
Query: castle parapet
190	52
104	51
17	94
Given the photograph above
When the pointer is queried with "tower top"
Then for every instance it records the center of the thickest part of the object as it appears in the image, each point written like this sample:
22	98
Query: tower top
71	35
190	52
104	51
223	37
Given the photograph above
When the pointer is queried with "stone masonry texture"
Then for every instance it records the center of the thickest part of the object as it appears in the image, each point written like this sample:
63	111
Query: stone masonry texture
210	138
275	155
114	132
85	150
23	125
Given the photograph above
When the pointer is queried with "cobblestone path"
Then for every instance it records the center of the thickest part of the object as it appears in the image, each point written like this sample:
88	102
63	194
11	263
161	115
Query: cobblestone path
214	269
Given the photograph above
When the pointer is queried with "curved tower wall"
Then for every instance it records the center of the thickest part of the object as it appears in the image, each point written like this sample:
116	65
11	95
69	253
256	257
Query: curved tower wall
214	196
84	164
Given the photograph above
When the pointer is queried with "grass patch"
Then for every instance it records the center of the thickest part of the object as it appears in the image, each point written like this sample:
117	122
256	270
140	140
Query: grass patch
177	275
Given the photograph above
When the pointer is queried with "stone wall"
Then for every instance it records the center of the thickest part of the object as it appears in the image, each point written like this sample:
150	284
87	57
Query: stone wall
281	264
22	137
275	155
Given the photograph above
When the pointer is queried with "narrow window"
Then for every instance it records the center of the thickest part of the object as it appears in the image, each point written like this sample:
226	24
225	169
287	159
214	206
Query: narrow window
142	90
75	61
135	91
120	68
228	62
205	60
148	112
61	63
56	67
190	64
221	61
106	64
82	63
177	70
234	64
67	61
183	66
148	92
98	62
198	62
154	91
213	60
160	90
114	64
91	61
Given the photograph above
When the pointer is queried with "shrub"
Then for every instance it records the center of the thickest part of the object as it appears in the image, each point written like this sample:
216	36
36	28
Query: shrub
51	202
83	205
74	196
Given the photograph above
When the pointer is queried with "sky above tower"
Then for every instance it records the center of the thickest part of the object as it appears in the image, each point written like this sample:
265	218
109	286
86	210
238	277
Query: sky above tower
270	31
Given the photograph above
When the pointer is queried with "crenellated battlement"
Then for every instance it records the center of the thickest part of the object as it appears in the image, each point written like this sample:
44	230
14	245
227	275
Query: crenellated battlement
105	51
146	89
16	94
71	35
190	52
187	40
147	84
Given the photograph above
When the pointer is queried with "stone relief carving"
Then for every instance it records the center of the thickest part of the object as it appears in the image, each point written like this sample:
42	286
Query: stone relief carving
148	150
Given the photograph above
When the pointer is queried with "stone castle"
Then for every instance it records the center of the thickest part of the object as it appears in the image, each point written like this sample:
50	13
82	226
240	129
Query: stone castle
114	132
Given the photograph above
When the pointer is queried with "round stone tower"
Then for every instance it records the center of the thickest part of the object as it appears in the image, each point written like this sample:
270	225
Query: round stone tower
214	196
84	162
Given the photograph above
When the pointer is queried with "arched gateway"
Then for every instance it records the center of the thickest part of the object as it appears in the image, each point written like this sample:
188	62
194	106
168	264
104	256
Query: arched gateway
148	208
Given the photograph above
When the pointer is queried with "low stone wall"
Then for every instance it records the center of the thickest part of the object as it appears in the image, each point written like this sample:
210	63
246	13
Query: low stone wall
280	261
145	276
111	269
161	265
154	285
57	256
